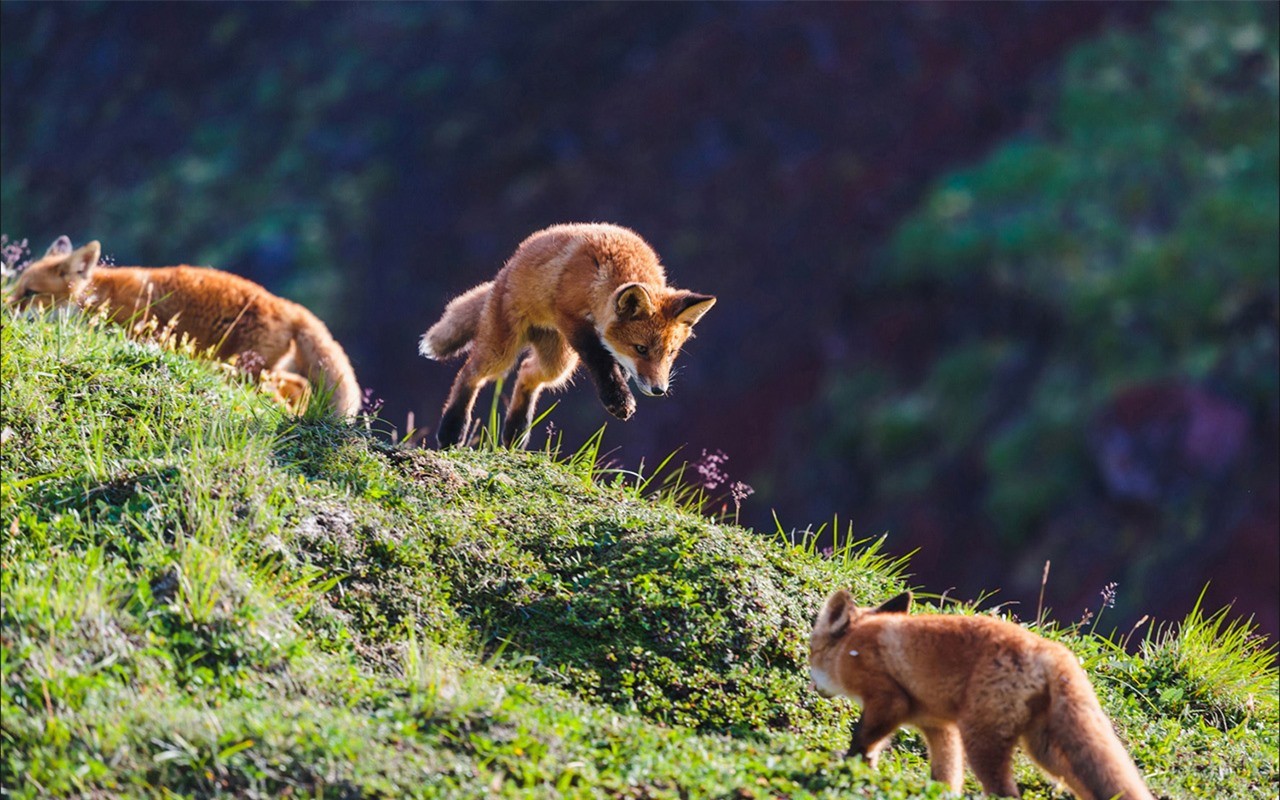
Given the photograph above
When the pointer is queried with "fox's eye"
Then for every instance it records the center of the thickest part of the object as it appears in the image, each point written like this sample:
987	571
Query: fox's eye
642	350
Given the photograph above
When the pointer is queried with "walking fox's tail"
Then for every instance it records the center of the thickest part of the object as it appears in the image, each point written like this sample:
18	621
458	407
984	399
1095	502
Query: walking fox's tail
1077	742
455	330
324	363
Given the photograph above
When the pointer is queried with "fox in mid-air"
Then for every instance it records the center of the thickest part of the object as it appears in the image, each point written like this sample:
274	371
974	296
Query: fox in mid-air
975	687
594	293
220	313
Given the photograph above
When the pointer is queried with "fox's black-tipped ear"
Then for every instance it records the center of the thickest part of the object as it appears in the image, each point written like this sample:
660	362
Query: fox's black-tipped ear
897	605
81	262
633	301
835	614
60	247
690	307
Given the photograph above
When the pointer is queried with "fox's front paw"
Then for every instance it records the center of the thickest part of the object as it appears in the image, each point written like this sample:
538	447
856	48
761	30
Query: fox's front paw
621	404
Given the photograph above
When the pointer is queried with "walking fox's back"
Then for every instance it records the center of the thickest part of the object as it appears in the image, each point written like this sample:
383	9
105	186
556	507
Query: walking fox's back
214	308
233	316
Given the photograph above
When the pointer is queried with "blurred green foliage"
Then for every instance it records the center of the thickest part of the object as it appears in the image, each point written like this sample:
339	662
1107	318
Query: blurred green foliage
246	154
1134	239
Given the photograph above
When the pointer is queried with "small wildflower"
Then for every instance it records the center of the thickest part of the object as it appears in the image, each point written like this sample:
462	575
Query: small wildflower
370	405
251	362
1109	595
710	469
12	256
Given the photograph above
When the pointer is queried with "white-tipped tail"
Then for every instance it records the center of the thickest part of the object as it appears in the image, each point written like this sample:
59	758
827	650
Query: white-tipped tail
457	327
425	348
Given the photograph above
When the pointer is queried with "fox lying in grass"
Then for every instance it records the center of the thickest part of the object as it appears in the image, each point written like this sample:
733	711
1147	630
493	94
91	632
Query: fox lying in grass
975	687
589	292
216	311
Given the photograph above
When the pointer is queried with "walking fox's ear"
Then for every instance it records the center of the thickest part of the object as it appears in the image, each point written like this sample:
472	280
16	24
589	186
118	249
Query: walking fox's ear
835	614
897	605
689	307
633	301
60	247
81	262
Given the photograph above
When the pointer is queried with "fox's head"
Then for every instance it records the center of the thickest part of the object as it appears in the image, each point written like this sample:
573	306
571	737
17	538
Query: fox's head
645	328
830	641
57	277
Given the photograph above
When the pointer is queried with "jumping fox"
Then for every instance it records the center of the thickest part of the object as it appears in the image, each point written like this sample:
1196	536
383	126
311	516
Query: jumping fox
215	310
589	292
975	687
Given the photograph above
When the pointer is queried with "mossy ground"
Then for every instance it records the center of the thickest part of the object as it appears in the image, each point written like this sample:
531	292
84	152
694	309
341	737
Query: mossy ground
204	595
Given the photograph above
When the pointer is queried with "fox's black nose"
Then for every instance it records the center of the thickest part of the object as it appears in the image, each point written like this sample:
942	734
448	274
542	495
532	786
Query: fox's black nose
658	391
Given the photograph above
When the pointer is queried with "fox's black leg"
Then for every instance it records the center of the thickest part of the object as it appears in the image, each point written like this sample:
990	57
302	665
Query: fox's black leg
455	422
452	423
516	425
610	380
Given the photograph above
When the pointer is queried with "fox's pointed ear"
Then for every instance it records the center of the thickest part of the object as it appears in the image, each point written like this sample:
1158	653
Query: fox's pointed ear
60	247
81	262
689	307
633	301
896	605
835	614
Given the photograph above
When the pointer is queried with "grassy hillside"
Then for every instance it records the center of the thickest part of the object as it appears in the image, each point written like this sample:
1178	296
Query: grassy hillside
203	595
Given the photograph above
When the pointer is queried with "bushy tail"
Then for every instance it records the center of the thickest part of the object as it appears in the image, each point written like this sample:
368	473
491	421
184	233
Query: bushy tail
455	330
1077	743
323	361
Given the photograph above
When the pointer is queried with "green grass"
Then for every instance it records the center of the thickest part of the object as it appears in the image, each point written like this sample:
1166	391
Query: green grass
204	595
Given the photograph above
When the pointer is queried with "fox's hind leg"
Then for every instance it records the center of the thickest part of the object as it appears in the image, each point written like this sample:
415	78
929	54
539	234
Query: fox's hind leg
273	363
492	354
549	365
291	389
990	754
455	422
946	755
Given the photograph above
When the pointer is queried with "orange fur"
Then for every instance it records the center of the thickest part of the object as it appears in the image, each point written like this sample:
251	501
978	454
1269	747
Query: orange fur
975	687
217	311
589	292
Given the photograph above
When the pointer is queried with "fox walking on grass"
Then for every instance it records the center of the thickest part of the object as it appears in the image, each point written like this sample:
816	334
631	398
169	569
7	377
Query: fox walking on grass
215	310
593	293
975	687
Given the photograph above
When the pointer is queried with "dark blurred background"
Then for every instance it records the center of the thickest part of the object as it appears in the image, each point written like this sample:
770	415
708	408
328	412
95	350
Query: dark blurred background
998	279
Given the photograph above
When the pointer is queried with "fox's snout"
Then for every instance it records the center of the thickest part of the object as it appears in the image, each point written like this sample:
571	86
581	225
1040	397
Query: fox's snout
820	683
22	300
651	389
813	687
651	378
